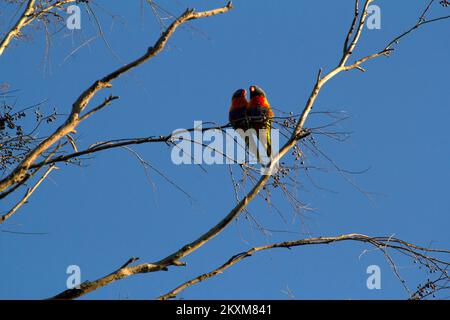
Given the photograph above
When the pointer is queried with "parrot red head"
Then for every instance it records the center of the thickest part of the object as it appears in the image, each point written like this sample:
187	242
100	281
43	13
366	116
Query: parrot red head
240	93
256	91
239	98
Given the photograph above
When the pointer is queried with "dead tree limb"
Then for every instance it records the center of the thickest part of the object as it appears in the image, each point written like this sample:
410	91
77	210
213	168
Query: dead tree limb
383	243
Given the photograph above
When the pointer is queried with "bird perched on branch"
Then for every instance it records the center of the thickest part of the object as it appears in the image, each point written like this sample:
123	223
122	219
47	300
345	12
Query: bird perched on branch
260	114
238	110
239	120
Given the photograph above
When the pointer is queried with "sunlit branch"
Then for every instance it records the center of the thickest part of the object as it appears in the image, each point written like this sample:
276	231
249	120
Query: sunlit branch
382	243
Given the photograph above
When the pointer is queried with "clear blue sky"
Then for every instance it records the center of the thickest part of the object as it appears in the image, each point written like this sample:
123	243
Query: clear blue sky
99	215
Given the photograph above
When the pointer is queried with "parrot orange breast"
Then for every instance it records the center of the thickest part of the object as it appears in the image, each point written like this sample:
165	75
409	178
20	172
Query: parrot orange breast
259	112
238	113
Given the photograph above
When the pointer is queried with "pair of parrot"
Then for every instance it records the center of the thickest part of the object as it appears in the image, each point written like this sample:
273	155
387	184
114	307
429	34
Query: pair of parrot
254	114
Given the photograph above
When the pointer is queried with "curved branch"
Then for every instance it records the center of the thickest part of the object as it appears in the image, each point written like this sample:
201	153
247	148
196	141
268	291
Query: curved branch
378	242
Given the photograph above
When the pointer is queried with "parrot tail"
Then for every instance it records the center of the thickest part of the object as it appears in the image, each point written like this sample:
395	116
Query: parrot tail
266	145
269	142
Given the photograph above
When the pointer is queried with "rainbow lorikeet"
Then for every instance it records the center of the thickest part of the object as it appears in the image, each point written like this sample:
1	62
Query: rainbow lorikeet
238	110
239	120
260	114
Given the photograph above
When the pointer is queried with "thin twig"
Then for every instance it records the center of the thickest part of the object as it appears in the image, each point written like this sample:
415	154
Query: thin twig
27	195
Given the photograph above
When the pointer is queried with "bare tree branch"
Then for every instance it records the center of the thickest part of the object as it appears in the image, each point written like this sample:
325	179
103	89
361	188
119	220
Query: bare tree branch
78	114
27	195
28	16
123	272
75	117
378	242
112	144
348	49
106	102
171	260
299	133
37	14
18	26
422	21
